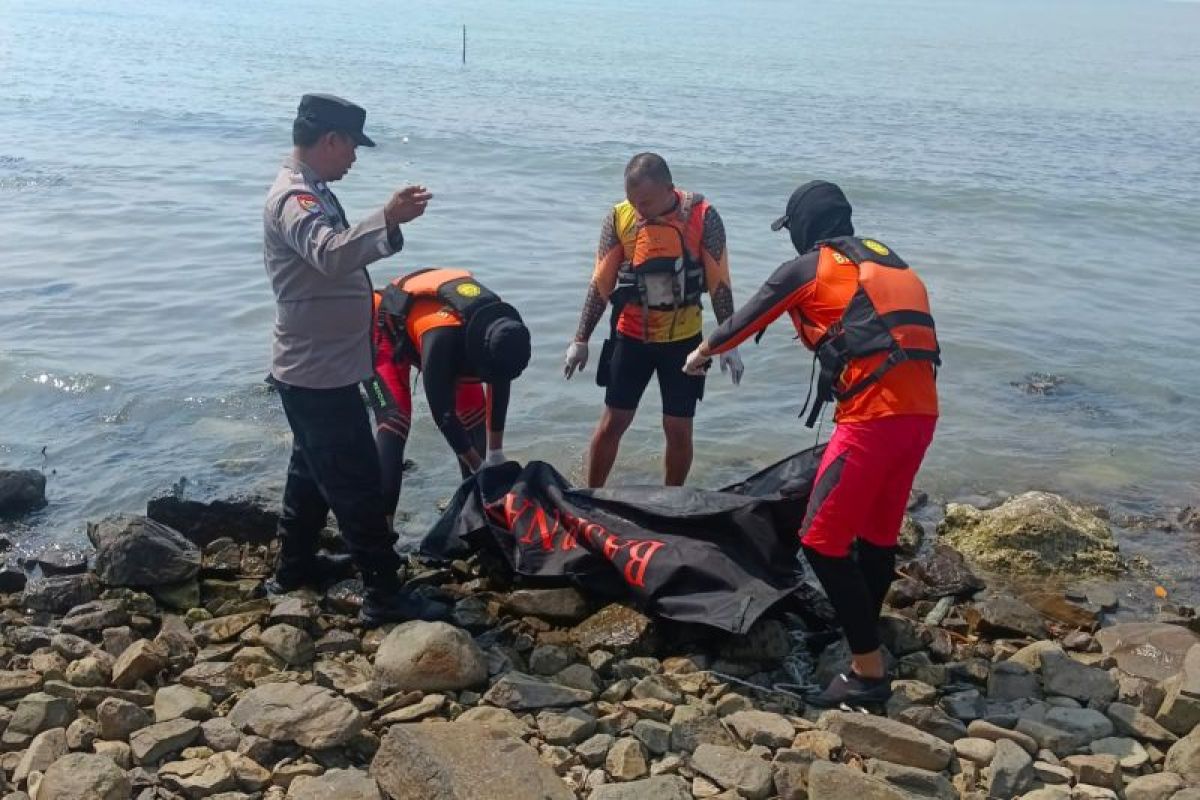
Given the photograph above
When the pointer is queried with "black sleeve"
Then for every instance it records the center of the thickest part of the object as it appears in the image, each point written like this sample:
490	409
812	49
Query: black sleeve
498	409
440	356
792	284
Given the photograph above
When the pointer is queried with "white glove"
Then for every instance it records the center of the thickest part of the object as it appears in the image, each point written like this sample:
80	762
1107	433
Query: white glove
577	355
495	458
697	364
732	362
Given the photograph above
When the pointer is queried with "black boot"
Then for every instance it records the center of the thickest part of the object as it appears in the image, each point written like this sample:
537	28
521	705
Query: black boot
385	600
849	689
318	571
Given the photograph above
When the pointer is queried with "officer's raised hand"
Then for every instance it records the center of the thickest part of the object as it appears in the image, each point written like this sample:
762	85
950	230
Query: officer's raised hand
406	205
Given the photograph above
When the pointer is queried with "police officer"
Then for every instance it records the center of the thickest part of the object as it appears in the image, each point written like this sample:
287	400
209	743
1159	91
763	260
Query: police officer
317	262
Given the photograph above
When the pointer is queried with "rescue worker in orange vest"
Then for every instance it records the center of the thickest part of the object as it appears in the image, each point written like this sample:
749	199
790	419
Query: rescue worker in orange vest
461	337
660	251
865	314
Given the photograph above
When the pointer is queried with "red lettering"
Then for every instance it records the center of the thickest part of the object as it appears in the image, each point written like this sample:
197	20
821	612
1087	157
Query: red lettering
640	553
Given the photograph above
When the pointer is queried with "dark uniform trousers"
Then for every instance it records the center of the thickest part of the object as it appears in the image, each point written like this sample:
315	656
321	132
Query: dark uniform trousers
334	467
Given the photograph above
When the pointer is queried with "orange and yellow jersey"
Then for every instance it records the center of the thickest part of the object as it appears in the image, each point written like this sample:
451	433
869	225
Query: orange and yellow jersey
703	235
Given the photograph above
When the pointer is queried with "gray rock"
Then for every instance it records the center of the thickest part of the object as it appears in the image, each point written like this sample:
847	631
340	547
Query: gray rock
933	721
1087	723
141	660
654	736
338	641
46	748
1128	752
1130	721
459	761
1097	770
28	638
549	659
615	628
761	727
60	593
336	784
175	701
1180	711
828	781
564	606
1063	675
1056	740
732	769
918	782
1184	758
688	734
979	751
85	776
429	657
219	735
593	751
35	713
137	551
518	691
120	718
90	671
1010	680
152	743
1011	770
965	705
21	491
292	645
82	733
94	617
1151	650
888	739
311	716
660	787
1156	786
1053	774
1035	532
986	730
566	728
499	718
626	760
999	614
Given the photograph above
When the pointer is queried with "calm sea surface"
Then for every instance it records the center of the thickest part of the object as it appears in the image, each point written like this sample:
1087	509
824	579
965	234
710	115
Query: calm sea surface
1037	161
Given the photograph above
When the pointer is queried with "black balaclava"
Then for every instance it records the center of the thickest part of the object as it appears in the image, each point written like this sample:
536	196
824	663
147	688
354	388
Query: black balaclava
816	211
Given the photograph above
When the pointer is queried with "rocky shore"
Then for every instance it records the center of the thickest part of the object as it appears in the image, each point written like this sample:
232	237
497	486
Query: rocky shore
155	667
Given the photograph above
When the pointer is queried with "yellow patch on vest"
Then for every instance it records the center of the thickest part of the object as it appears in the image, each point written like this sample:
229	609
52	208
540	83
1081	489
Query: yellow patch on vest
468	290
876	247
838	258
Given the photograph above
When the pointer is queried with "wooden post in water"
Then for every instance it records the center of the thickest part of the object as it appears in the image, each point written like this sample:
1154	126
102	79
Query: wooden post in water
464	44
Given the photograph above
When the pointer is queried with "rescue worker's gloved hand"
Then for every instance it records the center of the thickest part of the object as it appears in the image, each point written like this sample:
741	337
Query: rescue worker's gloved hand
577	356
495	458
731	362
697	363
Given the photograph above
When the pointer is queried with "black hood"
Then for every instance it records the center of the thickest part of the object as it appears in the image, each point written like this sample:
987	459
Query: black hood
816	211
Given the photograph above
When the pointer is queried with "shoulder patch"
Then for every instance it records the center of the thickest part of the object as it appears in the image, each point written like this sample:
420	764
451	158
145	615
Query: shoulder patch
308	203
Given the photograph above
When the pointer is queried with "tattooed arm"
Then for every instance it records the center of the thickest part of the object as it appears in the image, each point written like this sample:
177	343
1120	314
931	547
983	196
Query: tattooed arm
716	265
604	280
593	311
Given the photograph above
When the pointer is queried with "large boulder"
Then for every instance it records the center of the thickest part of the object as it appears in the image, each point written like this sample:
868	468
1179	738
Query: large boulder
462	761
829	781
889	740
1035	532
85	776
243	519
429	657
1151	650
137	551
313	717
60	593
21	490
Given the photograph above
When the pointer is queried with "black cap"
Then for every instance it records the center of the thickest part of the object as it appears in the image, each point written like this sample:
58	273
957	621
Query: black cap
498	343
816	211
335	114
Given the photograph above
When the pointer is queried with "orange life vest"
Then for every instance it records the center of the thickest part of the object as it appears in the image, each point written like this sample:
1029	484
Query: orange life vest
885	320
402	305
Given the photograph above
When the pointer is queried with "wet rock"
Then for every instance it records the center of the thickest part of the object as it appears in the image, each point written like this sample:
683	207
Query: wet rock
732	769
1130	721
246	520
312	717
137	551
945	573
1157	786
120	718
615	628
85	776
56	561
563	606
626	760
182	596
828	781
46	748
1184	758
93	617
35	713
336	784
888	739
152	743
1149	650
28	638
142	659
175	702
292	645
429	656
1035	532
221	558
458	761
518	691
998	614
12	578
1055	607
21	491
1101	770
60	593
345	597
1011	770
1063	675
660	787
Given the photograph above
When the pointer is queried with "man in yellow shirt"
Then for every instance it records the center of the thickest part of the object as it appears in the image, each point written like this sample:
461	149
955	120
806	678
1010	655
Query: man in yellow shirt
660	250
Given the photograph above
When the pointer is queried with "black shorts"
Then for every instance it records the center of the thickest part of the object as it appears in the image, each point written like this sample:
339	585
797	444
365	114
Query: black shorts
634	362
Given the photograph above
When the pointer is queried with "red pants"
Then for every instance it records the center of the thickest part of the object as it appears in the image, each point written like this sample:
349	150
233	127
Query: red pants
470	402
863	483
